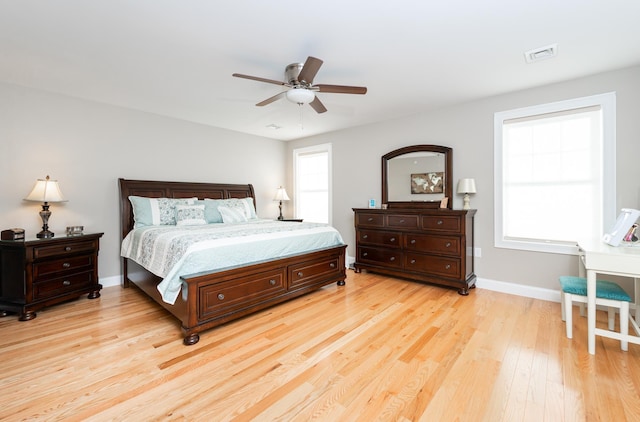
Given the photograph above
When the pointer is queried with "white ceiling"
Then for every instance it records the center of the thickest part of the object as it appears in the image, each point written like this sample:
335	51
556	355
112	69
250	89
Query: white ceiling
176	57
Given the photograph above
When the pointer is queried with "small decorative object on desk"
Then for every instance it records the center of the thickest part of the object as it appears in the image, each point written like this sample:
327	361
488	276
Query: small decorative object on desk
630	237
74	230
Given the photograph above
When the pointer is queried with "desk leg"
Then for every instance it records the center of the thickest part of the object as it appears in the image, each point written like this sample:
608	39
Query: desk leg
591	311
636	299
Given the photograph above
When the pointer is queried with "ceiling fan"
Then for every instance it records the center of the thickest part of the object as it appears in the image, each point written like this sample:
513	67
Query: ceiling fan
299	80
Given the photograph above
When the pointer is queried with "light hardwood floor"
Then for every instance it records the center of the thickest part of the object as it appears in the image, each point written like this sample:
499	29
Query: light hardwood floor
377	349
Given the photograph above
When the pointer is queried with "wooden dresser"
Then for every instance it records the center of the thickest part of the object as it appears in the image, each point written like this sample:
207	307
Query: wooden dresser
427	245
42	272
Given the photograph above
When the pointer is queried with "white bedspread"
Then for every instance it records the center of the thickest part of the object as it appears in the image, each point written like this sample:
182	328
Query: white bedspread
171	251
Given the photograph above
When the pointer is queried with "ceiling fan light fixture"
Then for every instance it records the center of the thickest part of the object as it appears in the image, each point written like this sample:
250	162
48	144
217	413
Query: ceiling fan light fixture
300	95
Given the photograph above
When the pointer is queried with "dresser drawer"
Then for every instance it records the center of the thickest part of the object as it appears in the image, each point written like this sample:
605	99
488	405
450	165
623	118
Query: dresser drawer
437	265
383	238
402	221
313	272
59	267
452	224
447	245
238	293
364	219
66	248
61	285
381	257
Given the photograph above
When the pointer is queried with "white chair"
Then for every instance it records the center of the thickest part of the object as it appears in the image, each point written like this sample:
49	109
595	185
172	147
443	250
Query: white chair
608	293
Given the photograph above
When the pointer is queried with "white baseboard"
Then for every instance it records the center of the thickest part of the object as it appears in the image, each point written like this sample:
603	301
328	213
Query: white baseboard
519	290
481	283
115	280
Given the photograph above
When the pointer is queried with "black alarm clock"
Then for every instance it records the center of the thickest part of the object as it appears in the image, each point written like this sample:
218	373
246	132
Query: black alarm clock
12	234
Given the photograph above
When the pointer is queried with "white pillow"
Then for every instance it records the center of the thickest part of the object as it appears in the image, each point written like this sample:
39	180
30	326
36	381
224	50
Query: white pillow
190	215
232	215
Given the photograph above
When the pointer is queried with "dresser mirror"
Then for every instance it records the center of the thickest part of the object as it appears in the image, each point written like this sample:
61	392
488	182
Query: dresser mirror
417	176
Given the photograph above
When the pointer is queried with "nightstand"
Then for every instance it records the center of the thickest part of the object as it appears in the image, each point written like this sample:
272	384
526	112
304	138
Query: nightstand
35	273
298	220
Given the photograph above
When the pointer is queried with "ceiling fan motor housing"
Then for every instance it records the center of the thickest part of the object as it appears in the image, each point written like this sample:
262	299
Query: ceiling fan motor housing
291	73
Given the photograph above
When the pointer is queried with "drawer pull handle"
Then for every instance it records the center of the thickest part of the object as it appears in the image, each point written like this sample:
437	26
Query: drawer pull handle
332	265
413	261
393	239
365	254
448	266
413	241
370	219
439	222
402	220
66	283
67	248
66	265
272	282
300	274
220	296
365	236
448	245
393	258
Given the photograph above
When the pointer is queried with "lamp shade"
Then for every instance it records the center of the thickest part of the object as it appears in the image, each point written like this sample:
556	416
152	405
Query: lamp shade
46	190
281	195
300	95
466	186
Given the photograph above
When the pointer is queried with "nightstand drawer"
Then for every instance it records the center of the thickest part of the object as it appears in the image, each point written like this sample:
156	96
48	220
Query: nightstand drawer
66	248
59	267
57	286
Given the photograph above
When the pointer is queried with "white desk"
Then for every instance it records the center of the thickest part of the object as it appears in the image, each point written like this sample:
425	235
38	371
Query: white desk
599	258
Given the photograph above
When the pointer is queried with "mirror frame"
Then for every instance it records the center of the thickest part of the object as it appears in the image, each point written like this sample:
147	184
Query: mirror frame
448	185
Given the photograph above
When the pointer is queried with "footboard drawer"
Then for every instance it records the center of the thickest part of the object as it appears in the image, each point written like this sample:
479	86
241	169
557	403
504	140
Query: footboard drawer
313	272
240	293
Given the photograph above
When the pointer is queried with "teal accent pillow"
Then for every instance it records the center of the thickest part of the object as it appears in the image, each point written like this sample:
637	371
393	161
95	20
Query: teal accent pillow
155	211
212	215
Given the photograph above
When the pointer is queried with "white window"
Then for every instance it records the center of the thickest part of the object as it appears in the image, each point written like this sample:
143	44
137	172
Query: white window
554	174
312	178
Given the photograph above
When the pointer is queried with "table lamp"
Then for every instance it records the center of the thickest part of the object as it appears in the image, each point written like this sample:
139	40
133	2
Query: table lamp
466	186
281	195
45	191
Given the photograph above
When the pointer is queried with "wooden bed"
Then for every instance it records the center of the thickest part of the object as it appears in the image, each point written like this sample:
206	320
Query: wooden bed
223	295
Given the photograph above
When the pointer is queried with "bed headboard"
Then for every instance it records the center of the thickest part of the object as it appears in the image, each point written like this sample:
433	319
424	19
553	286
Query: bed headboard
156	189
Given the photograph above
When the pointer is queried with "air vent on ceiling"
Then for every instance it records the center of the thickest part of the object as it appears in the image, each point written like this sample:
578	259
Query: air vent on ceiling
541	53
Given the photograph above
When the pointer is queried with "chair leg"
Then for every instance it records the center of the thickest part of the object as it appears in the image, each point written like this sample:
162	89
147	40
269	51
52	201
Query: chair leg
611	311
568	303
624	324
563	309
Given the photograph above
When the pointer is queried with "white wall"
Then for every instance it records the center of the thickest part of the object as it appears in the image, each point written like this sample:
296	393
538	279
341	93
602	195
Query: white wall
87	146
468	129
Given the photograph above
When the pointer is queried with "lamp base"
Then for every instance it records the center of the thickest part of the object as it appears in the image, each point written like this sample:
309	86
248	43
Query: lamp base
466	202
45	234
45	214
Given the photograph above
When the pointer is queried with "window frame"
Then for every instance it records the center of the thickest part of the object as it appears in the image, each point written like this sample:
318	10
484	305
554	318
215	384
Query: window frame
607	102
314	149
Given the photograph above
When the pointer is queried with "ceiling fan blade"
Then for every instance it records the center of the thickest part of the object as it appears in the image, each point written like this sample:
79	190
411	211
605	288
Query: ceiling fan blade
271	99
317	105
255	78
309	70
341	89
